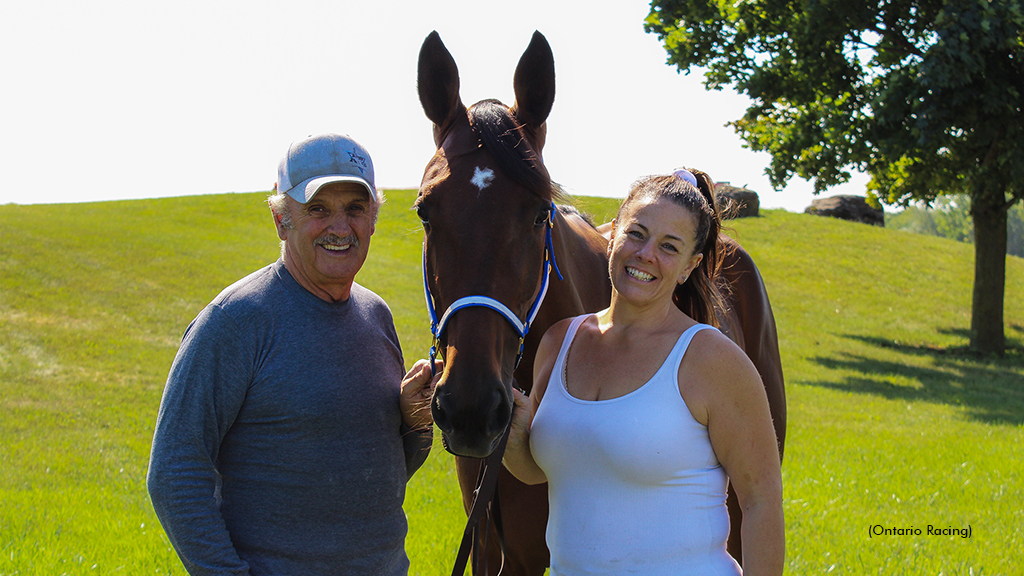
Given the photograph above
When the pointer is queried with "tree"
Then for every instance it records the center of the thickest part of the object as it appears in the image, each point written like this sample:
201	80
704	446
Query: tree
925	96
950	217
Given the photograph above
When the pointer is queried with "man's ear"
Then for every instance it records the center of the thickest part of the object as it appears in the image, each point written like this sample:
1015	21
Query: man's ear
282	232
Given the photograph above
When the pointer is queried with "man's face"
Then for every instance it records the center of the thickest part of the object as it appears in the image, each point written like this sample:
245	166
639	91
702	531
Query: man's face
329	239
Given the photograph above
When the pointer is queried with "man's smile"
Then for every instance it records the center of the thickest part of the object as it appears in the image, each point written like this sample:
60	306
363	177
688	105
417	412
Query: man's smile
336	244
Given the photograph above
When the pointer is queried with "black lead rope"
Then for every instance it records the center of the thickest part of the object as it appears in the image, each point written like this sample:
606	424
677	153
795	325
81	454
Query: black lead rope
485	508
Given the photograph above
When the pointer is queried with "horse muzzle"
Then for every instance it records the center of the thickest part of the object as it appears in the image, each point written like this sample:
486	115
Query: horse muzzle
472	429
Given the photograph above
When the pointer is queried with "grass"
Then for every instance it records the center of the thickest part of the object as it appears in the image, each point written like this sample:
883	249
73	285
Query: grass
891	422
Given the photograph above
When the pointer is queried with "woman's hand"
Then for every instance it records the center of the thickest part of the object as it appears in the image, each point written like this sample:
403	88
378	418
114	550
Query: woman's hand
521	415
518	458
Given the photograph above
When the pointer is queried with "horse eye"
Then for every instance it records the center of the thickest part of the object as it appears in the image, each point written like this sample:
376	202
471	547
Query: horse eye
421	213
542	218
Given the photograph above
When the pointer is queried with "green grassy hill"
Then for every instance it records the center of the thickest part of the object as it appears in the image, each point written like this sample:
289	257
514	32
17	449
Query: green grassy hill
891	423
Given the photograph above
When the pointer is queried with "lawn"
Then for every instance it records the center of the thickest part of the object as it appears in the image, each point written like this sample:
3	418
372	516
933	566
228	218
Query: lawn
893	425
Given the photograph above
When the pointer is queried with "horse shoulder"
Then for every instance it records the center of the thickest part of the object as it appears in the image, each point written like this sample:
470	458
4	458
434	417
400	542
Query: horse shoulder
749	295
752	325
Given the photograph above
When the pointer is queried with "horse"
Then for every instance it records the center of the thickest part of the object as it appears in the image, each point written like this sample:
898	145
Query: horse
505	263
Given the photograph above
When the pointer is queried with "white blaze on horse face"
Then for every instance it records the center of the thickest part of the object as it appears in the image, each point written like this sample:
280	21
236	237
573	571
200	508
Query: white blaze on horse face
482	178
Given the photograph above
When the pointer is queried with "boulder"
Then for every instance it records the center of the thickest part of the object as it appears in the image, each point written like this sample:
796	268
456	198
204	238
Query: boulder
847	207
736	202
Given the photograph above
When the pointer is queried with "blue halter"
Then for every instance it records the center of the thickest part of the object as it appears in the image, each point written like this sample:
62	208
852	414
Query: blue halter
522	328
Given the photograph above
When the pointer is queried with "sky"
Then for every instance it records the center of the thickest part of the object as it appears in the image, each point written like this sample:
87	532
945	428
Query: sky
116	99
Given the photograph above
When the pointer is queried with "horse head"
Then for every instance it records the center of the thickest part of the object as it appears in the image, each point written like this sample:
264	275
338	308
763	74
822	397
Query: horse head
486	203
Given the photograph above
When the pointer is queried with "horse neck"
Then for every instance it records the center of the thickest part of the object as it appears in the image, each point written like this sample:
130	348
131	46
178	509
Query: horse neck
581	255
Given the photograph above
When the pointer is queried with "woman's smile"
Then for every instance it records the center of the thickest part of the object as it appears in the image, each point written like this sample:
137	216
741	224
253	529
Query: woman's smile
639	274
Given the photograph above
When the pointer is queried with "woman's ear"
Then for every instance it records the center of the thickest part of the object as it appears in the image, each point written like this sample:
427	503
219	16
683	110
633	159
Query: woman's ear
611	235
695	261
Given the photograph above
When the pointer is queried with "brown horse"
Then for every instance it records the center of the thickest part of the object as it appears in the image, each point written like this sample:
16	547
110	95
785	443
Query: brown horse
490	232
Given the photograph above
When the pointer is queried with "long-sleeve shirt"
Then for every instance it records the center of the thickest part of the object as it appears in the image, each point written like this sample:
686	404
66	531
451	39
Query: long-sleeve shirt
279	445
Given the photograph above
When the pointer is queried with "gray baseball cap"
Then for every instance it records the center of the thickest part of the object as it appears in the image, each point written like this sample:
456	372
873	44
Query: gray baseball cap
316	161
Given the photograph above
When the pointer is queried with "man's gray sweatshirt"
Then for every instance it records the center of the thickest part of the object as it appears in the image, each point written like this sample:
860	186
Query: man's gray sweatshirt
279	445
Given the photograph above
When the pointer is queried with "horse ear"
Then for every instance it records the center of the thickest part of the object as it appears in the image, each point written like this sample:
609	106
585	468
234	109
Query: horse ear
534	83
438	81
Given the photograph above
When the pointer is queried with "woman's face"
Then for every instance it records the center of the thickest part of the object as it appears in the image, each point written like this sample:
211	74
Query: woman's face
652	249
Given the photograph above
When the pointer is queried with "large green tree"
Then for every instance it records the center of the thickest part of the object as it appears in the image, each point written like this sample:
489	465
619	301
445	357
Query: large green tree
924	96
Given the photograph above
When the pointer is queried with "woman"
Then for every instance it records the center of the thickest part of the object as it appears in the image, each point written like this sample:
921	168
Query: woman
642	413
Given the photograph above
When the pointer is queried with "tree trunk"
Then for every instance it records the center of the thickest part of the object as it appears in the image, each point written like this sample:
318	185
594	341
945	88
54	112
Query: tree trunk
988	209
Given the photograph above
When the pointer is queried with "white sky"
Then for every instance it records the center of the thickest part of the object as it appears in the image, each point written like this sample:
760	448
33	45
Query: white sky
118	99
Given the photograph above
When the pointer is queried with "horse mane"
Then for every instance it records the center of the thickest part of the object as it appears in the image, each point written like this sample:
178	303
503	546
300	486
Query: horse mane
568	210
515	156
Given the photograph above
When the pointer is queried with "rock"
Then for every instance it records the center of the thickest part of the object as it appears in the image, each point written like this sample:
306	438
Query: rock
847	207
736	202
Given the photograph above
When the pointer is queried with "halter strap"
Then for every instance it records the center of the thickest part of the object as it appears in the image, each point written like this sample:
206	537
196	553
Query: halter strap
485	302
522	328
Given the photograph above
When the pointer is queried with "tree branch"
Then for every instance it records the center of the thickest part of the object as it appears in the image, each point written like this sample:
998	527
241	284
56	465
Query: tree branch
887	27
1014	198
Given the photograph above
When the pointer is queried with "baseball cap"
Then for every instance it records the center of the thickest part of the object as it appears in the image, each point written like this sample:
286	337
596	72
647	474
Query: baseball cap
316	161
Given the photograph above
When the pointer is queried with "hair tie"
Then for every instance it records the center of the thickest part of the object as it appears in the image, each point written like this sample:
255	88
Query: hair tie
684	174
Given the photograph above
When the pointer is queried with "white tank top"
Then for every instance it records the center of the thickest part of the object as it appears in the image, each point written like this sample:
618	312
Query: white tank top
634	486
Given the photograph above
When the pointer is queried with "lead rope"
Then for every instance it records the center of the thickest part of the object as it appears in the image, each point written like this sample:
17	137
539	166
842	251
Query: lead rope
485	506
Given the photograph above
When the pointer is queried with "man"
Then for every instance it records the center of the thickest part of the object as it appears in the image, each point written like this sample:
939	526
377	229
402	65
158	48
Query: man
287	432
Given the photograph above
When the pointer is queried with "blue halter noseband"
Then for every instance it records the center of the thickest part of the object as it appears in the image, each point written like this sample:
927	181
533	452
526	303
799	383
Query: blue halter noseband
522	328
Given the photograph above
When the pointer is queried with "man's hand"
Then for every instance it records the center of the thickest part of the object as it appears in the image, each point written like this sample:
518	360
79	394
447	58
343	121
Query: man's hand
417	390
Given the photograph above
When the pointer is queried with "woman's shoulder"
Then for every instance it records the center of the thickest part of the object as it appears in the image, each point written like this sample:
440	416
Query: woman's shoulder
547	354
714	346
716	366
555	334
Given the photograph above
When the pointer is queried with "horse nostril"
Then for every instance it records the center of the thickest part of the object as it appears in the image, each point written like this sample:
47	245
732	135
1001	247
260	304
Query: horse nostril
501	414
440	416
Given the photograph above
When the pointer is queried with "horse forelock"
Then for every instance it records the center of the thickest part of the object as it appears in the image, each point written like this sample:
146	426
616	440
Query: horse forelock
513	151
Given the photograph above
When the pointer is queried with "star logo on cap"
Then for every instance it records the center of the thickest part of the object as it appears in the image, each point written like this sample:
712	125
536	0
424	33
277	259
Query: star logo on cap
359	161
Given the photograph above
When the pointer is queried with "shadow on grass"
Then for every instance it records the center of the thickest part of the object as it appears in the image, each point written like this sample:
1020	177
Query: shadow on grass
990	389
